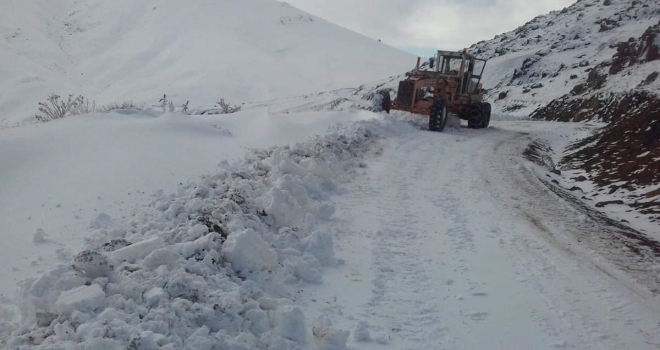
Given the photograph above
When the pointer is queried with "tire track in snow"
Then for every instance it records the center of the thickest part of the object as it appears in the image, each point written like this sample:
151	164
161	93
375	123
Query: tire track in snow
401	277
434	261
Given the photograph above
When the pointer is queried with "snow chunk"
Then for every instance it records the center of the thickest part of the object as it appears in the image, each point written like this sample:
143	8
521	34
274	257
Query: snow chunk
361	333
248	252
144	341
160	257
154	295
320	245
81	298
282	206
258	321
289	323
329	338
336	340
137	250
92	263
103	344
63	332
197	231
307	268
186	286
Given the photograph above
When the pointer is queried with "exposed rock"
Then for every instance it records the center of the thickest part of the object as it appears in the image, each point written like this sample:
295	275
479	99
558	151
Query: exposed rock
607	24
602	204
596	79
602	107
517	73
578	89
620	155
650	79
634	51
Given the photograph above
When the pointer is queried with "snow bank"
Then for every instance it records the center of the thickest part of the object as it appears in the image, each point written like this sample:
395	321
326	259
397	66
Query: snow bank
206	267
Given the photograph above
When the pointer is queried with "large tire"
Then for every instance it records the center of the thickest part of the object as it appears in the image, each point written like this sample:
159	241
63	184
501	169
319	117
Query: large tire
438	116
381	102
476	116
487	109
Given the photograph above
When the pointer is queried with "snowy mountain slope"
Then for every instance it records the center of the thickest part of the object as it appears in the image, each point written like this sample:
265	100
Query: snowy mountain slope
549	56
199	50
592	61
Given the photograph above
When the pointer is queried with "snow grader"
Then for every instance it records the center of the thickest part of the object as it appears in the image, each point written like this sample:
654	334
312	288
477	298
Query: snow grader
451	84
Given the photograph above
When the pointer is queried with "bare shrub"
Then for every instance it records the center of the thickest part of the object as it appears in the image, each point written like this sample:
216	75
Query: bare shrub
184	107
227	108
85	107
117	105
164	102
54	108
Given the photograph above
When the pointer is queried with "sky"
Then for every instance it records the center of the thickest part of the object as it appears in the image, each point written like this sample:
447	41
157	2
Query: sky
424	26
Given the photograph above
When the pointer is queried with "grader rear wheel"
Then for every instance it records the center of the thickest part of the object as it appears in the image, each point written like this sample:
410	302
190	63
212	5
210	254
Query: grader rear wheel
487	110
476	115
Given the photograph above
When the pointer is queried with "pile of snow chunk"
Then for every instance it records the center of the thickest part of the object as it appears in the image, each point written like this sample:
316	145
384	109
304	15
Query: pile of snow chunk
207	267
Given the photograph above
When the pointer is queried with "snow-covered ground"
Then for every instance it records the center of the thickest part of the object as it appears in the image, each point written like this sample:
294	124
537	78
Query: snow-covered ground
377	234
450	242
577	181
301	222
70	176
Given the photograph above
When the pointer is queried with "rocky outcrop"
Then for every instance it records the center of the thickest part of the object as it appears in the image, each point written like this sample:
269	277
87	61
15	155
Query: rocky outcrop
603	107
625	155
635	51
584	102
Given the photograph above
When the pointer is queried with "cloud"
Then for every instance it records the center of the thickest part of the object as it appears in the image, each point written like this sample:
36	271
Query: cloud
450	24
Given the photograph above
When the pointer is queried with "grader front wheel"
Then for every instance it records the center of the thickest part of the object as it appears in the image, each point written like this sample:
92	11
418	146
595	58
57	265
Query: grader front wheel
438	115
381	102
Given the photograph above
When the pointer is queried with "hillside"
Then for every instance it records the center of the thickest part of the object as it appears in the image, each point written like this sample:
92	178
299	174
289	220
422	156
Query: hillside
574	60
200	50
595	61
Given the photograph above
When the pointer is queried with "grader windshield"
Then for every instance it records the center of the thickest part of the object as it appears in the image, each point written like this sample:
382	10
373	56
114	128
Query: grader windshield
466	67
449	65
